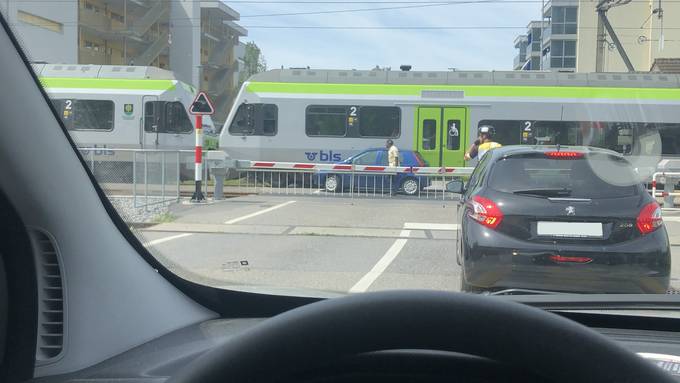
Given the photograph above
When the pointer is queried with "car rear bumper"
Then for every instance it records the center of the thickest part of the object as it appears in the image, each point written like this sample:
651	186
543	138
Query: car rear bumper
495	261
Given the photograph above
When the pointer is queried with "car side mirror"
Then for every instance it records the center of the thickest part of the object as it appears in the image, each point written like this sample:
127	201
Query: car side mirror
455	186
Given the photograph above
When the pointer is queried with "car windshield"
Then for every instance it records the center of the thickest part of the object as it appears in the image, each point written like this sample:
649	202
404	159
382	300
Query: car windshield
325	147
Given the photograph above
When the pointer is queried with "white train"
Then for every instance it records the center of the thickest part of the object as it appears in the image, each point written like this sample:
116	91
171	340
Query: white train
326	116
124	107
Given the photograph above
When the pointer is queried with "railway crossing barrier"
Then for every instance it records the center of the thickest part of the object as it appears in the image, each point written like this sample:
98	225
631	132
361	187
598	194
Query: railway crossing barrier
345	180
151	176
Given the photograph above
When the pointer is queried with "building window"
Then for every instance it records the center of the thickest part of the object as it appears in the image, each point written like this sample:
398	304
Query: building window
563	54
255	120
118	17
379	121
41	22
86	114
326	121
564	20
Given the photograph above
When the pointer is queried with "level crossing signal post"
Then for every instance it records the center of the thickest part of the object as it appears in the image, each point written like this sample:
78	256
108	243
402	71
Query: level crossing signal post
201	106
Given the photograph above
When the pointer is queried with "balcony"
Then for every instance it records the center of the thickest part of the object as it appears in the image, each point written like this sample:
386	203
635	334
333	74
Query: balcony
547	8
97	21
519	61
91	56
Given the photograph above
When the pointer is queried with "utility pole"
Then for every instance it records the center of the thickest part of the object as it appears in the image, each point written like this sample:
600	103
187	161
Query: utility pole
602	7
540	59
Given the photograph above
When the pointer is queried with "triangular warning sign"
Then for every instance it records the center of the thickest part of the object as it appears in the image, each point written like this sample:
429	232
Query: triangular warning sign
202	105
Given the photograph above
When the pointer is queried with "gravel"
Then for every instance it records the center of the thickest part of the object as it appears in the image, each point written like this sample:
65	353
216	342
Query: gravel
131	214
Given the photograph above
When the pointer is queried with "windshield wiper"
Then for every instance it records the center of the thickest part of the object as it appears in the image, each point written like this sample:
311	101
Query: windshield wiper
523	292
549	192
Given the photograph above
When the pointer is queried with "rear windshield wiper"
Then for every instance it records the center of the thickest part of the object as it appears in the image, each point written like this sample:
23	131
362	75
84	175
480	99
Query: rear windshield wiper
523	292
549	192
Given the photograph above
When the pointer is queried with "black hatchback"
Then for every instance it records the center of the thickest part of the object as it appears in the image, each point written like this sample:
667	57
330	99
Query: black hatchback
570	219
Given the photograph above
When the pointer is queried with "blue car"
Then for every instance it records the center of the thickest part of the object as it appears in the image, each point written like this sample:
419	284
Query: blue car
408	183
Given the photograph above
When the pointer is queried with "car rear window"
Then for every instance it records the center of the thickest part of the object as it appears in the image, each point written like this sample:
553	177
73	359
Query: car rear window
594	176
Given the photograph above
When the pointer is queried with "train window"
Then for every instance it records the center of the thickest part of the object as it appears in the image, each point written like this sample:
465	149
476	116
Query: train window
453	135
326	120
429	134
270	116
255	120
617	136
176	119
86	114
379	121
243	123
152	115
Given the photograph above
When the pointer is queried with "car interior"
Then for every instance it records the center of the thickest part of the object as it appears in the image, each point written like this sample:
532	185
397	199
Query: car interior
82	300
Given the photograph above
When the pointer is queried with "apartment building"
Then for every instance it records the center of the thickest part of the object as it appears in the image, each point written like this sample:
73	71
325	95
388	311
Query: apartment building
574	38
529	48
198	40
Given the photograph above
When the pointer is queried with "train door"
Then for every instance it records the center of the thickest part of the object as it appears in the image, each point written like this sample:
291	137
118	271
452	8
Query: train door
441	135
151	122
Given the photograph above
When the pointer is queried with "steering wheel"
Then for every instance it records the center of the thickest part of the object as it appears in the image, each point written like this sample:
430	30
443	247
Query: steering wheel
323	332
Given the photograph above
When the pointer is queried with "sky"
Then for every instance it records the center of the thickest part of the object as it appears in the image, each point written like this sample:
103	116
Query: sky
485	48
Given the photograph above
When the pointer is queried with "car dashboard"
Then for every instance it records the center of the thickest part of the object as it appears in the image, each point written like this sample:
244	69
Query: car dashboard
157	360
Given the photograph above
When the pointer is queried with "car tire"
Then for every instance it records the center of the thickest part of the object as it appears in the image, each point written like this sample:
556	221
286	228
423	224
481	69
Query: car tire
332	183
410	186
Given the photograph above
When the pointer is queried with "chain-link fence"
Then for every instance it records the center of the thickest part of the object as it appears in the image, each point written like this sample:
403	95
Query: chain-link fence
147	176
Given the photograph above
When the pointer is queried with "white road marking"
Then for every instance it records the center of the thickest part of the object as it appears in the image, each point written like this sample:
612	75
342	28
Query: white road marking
239	219
431	226
367	280
671	218
166	239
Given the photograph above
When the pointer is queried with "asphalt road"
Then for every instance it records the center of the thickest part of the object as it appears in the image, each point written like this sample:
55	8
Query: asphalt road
296	243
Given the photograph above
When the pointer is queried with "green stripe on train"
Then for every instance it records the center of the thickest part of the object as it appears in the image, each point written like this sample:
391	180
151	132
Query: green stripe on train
470	90
108	83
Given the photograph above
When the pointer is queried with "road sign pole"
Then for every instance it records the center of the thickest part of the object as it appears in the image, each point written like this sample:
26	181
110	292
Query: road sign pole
199	107
198	161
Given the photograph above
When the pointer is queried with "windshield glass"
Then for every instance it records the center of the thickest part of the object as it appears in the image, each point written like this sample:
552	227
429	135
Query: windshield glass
577	178
315	147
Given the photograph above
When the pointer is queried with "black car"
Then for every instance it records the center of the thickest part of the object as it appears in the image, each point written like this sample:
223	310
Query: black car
570	219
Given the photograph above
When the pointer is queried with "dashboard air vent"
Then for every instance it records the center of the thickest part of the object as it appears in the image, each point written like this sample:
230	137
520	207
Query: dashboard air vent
51	298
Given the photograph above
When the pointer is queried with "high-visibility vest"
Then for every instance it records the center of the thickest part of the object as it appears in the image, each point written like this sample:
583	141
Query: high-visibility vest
485	147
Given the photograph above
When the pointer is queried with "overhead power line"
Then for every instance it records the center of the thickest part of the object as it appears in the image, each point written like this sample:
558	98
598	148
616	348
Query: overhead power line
462	2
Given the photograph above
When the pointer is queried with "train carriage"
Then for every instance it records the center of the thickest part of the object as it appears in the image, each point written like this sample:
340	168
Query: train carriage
123	107
326	116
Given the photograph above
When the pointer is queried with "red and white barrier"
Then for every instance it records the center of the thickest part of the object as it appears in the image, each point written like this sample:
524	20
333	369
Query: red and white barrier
351	168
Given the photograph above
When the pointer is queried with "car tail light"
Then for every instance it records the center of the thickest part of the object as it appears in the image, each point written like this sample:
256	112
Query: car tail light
485	211
421	163
649	218
564	259
564	155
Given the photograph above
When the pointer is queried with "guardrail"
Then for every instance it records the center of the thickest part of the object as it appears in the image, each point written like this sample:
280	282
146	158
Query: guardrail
345	179
669	181
153	176
148	176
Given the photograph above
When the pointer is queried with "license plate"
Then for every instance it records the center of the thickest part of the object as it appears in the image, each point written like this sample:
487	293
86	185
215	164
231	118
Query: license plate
569	229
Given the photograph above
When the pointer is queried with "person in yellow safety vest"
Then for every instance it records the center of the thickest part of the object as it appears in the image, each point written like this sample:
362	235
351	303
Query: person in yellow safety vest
483	144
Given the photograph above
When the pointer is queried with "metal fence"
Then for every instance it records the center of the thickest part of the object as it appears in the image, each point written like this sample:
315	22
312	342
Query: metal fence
148	176
344	180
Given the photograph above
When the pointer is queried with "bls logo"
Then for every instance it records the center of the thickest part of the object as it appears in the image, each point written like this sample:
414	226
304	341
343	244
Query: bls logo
324	156
99	151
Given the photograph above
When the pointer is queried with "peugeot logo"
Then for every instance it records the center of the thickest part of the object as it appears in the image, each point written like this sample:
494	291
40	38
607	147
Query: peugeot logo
570	210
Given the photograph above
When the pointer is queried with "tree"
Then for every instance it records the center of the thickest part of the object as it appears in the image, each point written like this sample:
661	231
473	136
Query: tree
253	62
